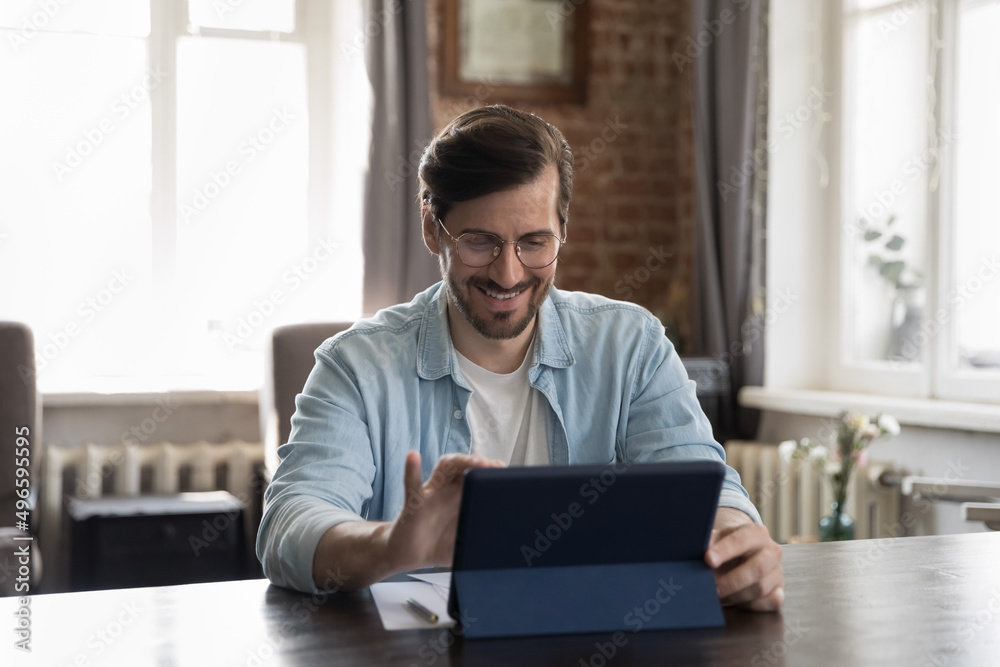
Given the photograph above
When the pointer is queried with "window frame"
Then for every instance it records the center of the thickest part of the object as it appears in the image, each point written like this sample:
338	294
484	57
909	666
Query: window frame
333	47
934	377
168	24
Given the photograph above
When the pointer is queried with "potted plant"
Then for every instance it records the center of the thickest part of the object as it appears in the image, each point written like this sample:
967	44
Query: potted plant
855	432
907	284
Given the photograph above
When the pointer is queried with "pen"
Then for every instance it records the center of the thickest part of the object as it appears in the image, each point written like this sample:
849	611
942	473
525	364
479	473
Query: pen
422	611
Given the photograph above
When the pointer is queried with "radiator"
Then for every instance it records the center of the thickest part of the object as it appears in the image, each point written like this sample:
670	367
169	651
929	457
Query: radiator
792	496
93	471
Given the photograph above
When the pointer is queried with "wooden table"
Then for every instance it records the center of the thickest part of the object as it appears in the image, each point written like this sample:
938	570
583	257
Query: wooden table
906	601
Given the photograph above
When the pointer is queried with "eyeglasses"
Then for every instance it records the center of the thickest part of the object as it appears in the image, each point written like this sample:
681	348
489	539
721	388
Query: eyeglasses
479	249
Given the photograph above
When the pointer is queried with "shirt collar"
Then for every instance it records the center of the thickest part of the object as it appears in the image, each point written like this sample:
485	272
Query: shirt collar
435	356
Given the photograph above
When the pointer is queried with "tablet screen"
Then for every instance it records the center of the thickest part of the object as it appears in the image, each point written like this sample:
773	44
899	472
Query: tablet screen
553	516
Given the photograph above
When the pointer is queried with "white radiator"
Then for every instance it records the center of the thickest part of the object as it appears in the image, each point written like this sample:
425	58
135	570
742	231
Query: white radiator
92	471
792	496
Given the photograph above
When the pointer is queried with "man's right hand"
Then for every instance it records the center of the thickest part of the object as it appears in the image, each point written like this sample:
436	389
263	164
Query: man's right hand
423	535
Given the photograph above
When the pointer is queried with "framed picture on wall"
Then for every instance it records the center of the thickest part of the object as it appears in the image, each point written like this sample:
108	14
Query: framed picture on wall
516	50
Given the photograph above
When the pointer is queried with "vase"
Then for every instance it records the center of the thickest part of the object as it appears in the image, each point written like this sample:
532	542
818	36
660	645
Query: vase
837	526
906	343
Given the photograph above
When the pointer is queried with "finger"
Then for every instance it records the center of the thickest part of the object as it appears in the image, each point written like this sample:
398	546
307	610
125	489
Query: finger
741	540
412	489
451	467
772	602
756	589
752	570
411	474
752	574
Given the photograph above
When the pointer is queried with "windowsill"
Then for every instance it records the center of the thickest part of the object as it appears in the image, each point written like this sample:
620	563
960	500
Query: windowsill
140	392
930	413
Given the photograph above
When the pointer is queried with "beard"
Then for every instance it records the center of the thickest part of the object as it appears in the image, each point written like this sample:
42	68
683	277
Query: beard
503	325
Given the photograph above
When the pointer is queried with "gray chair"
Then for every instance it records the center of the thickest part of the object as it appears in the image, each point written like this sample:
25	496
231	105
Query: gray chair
20	409
290	361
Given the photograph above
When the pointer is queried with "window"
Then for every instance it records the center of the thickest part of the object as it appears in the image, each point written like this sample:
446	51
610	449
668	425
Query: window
920	222
178	179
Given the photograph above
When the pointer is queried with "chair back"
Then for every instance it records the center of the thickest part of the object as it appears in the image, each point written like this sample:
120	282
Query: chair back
291	361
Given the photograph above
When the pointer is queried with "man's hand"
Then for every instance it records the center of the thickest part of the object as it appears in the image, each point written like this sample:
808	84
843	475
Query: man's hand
746	562
423	535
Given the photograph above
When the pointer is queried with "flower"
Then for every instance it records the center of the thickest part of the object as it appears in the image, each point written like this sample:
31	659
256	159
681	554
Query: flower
849	449
786	449
819	454
888	424
856	422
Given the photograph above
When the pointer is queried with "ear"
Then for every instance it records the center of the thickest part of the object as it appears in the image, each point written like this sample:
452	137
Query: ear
430	230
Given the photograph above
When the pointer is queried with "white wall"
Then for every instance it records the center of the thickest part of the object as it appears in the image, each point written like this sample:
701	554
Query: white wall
799	259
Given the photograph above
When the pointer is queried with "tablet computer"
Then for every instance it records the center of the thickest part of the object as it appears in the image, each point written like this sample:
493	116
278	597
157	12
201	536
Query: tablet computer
529	530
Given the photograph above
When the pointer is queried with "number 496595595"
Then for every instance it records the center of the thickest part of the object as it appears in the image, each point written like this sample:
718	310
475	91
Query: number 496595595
22	453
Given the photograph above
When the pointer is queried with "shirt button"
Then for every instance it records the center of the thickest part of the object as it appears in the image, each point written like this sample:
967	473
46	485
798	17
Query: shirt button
457	414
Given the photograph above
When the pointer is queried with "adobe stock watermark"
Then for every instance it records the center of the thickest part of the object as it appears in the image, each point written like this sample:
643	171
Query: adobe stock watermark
591	491
218	527
220	179
900	14
981	620
224	7
105	637
372	28
301	611
30	25
294	277
776	652
957	298
636	620
408	165
883	200
92	137
47	349
557	17
779	302
709	31
756	158
632	282
613	128
88	485
436	646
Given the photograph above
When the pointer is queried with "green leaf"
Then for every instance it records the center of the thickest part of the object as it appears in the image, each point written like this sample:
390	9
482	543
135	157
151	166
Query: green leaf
872	234
895	243
892	219
875	261
891	270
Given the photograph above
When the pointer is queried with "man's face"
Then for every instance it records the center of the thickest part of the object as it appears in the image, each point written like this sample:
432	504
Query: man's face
500	300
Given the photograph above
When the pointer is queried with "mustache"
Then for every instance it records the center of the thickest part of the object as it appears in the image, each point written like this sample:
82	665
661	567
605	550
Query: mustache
487	284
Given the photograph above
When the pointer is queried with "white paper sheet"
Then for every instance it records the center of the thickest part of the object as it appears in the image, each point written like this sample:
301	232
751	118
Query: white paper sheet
440	580
390	599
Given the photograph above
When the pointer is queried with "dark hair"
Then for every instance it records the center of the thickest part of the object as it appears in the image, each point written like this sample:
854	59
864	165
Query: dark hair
491	149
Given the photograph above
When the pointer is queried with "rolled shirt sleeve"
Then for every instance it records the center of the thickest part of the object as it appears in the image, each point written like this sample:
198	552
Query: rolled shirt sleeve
666	422
324	478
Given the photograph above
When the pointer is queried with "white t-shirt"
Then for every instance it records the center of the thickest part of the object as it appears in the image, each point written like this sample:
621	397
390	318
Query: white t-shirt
506	414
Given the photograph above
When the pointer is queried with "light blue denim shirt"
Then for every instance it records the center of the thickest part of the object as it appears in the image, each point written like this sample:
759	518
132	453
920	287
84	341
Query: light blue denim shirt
615	389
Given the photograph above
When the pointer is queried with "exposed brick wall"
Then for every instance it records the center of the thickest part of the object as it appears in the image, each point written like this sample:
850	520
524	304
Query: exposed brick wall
632	195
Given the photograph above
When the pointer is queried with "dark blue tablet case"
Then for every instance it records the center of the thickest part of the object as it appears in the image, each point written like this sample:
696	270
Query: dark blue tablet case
610	569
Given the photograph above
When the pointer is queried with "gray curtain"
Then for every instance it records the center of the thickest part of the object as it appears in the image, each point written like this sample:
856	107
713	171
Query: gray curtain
730	139
397	265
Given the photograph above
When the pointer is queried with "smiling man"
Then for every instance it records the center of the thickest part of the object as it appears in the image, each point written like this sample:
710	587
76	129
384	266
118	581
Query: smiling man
490	367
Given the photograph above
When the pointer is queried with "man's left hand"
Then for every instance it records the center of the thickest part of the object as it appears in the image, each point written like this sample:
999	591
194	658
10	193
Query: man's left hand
746	562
